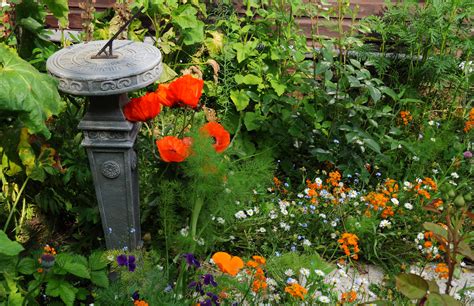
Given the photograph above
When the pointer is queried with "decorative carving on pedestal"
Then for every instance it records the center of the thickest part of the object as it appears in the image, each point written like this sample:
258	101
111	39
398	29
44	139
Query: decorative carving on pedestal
110	169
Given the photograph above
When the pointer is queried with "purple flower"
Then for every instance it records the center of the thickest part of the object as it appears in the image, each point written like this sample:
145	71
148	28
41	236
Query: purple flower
467	154
213	297
191	260
131	259
135	296
207	302
131	267
209	280
122	260
197	286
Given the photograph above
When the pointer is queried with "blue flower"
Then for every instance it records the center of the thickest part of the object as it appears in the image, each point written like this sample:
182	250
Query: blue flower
135	296
191	260
122	260
209	280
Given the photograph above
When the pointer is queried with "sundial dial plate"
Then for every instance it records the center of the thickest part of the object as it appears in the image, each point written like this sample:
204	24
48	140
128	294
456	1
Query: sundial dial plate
137	65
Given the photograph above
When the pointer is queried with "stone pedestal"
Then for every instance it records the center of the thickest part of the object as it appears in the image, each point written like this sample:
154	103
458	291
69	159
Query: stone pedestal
108	137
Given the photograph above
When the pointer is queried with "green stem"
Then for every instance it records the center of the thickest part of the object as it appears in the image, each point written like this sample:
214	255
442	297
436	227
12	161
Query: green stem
195	217
12	211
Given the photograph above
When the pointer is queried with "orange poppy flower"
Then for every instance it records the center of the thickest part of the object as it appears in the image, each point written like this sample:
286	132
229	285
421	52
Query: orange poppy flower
227	263
163	95
143	108
185	90
220	135
172	149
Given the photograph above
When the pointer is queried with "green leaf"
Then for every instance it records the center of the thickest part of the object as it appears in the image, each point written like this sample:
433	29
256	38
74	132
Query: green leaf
100	278
33	95
59	9
26	266
252	121
97	261
433	286
240	99
374	93
372	144
167	75
193	35
465	249
8	247
436	299
411	285
279	87
249	79
184	16
77	269
59	287
31	24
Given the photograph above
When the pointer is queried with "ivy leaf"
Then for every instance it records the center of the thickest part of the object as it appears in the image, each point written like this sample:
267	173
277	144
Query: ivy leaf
24	90
240	99
411	285
8	247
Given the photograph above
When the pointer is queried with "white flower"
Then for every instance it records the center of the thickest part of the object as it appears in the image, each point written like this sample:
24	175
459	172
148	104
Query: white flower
352	194
256	209
322	216
407	184
220	220
333	236
319	273
289	272
273	215
394	201
291	281
324	299
304	272
262	230
408	206
454	175
284	212
420	236
431	122
231	237
200	241
318	181
111	257
300	195
306	242
184	231
249	212
333	223
240	215
384	223
416	158
435	171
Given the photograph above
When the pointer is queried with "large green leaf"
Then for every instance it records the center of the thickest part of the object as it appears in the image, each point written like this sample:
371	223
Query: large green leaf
436	299
411	285
240	99
8	247
24	90
60	10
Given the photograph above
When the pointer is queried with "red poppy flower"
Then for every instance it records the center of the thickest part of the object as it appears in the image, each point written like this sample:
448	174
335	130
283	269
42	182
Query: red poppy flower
220	135
143	108
163	95
185	90
172	149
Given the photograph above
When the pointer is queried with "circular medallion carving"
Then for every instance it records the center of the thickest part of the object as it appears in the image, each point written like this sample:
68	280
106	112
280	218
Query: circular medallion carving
137	65
110	169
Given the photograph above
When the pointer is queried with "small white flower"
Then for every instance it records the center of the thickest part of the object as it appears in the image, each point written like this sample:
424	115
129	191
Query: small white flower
433	139
318	181
407	184
324	299
255	191
319	273
262	230
300	195
220	220
289	272
333	223
408	206
306	242
256	209
435	171
184	231
431	122
416	158
394	201
200	241
333	236
454	175
304	272
384	223
352	194
249	212
240	215
322	216
463	264
420	236
111	258
231	237
160	267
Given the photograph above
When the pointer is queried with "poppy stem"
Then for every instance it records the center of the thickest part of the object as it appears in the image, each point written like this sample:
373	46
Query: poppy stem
195	217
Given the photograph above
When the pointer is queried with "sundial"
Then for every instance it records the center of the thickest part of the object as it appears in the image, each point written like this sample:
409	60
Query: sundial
135	65
105	71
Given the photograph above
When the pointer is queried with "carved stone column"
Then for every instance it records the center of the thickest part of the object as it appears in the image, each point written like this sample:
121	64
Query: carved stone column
108	137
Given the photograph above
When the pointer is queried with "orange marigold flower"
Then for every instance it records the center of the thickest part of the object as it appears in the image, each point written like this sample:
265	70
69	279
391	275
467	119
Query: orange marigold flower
259	259
406	117
252	264
227	263
296	290
140	303
220	135
143	108
470	122
387	212
172	149
348	297
348	240
428	244
437	203
186	90
334	178
442	270
428	235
